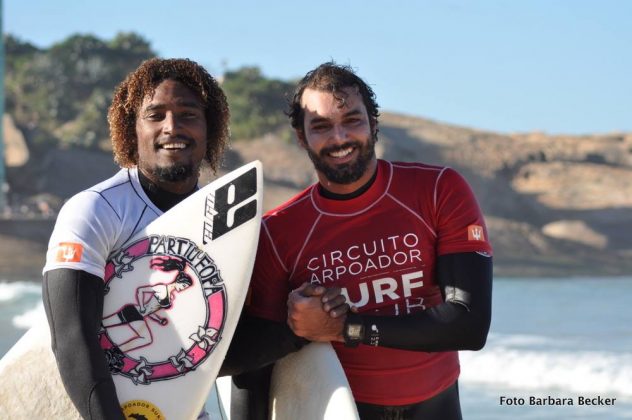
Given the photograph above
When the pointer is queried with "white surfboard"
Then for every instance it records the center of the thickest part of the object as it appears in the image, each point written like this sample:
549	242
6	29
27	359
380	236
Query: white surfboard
311	384
173	299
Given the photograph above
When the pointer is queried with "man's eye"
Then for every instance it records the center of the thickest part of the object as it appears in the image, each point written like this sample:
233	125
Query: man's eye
154	117
320	127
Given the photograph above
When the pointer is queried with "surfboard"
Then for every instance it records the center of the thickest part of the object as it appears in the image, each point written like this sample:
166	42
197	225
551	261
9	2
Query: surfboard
311	384
173	297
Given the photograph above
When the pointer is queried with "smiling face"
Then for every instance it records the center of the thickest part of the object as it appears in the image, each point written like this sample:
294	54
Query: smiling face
339	138
171	133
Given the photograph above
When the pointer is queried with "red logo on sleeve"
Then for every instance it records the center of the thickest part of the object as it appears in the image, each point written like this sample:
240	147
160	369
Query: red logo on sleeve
69	252
475	233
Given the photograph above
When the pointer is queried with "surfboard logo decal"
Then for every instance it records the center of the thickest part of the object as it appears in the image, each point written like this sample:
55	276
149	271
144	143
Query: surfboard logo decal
230	206
141	410
171	313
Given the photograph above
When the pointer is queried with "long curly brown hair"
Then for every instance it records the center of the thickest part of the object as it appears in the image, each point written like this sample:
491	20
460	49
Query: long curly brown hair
142	82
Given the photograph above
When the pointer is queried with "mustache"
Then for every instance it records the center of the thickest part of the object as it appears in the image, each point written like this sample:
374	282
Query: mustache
335	148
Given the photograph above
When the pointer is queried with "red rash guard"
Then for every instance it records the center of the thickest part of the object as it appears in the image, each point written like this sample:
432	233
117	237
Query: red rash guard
380	247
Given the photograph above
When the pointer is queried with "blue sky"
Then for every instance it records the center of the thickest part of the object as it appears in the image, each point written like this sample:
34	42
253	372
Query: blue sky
558	66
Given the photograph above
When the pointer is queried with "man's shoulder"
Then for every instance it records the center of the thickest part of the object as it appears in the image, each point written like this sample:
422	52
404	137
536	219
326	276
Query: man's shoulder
426	179
293	215
100	197
405	173
294	206
122	179
416	168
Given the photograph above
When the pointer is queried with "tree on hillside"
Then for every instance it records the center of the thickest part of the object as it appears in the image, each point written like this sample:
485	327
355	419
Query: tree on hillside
61	94
18	51
257	104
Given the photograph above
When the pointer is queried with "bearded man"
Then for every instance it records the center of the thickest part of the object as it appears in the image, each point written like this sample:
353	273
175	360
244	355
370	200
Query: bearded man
404	243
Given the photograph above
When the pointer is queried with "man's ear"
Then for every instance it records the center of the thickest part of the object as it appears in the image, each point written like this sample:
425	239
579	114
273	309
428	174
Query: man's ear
300	135
374	128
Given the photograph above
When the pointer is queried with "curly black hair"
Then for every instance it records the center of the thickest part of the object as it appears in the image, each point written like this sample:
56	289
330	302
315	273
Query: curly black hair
331	77
142	82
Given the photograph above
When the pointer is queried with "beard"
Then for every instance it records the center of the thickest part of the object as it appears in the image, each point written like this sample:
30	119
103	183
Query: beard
174	173
346	173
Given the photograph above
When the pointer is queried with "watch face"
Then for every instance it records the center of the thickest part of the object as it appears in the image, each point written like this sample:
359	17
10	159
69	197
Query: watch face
354	331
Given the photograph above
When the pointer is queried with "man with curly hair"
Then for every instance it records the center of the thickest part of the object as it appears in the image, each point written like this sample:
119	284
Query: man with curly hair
167	118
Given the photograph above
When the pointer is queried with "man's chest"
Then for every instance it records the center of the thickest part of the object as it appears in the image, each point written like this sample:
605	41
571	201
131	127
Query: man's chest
383	261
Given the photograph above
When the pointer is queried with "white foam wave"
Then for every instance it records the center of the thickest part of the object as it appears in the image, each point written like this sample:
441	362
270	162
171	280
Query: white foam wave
595	372
517	340
29	318
15	290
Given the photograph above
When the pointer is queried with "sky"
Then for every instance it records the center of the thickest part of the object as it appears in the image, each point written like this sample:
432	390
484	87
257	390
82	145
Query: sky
554	66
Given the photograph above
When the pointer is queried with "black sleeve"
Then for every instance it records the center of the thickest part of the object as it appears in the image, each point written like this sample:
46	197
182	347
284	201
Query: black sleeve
73	301
257	342
461	322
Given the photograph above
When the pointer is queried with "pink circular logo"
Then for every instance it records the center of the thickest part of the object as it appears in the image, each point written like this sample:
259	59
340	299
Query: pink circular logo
164	310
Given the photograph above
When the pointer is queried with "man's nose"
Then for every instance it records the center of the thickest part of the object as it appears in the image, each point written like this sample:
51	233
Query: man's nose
339	134
170	125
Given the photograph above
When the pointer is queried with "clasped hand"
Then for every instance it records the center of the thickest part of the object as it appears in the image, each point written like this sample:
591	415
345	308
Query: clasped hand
317	313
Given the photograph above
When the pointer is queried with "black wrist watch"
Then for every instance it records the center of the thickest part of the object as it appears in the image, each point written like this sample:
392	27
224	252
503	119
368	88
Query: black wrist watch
353	330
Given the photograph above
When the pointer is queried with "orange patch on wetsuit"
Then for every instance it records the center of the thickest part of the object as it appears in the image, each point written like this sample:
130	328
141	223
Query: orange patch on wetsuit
69	252
475	233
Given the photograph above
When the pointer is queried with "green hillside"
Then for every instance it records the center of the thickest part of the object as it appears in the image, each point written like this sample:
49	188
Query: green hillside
59	96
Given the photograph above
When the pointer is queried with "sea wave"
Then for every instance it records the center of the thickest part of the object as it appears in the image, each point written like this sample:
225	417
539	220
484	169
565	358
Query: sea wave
505	362
29	318
15	290
517	340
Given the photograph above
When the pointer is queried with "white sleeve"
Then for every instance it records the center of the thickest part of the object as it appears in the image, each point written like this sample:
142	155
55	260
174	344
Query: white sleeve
84	234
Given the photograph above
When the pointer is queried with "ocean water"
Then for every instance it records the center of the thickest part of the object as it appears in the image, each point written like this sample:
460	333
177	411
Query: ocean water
551	341
558	338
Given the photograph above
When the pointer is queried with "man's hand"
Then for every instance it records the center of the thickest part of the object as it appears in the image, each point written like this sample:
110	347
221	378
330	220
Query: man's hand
317	313
332	299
